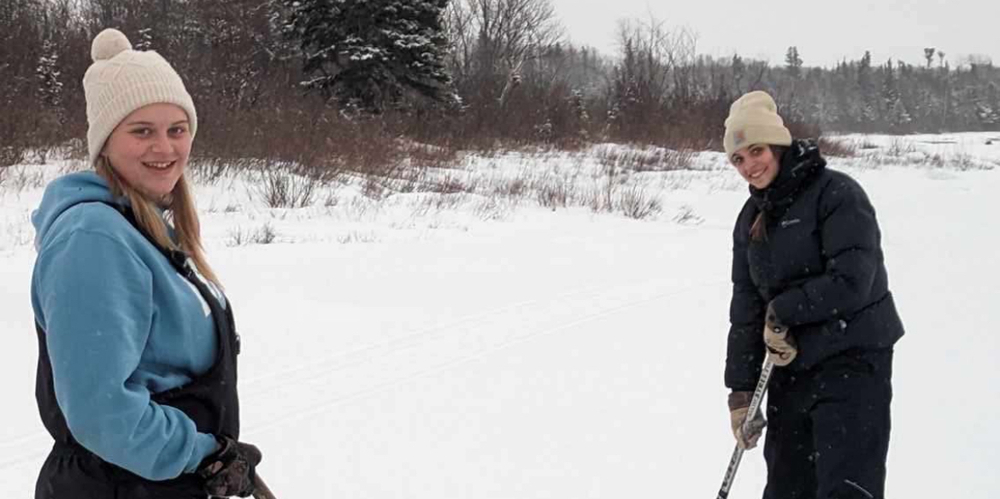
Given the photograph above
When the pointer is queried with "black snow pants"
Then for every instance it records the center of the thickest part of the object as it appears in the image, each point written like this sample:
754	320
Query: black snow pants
828	428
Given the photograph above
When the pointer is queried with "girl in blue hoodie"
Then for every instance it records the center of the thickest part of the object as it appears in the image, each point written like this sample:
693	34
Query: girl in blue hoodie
136	376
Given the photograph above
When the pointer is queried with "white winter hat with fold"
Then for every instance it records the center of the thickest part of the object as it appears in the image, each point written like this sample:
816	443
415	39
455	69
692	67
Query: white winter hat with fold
121	80
753	119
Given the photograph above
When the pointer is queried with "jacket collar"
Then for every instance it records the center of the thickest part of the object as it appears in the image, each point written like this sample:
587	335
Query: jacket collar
799	164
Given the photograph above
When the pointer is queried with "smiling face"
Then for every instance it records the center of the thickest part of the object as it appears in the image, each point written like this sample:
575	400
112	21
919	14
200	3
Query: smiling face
757	164
150	148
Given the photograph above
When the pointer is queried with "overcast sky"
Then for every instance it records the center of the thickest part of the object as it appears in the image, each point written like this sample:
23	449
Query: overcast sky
824	32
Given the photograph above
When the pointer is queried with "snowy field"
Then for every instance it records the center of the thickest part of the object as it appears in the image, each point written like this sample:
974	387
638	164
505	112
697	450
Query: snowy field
512	338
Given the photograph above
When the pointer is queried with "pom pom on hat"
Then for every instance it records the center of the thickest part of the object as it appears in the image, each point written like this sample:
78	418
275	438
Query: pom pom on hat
108	44
122	80
753	119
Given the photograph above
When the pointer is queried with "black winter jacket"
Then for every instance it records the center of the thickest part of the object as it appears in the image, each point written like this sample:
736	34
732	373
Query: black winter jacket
820	266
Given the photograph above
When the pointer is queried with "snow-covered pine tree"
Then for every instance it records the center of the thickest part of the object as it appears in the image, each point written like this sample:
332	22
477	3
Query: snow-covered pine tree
993	104
145	41
49	88
867	113
50	118
372	54
739	72
842	96
793	62
894	113
825	111
623	90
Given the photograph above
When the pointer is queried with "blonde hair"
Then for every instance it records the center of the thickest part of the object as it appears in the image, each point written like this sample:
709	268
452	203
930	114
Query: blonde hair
181	211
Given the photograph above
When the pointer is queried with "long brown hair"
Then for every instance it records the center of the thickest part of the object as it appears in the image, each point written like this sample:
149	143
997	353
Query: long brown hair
758	230
180	210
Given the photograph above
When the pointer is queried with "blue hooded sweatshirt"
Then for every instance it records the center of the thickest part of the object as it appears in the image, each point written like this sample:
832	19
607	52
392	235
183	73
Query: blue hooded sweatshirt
120	324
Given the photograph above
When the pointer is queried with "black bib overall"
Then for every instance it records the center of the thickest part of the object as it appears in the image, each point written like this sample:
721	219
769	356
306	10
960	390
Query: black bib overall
210	400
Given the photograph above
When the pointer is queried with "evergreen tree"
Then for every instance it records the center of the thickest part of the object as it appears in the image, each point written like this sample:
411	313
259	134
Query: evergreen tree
623	94
947	94
145	41
50	88
894	113
739	72
866	113
793	62
372	54
993	106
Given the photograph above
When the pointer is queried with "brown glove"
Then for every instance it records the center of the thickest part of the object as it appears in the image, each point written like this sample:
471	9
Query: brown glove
781	347
746	435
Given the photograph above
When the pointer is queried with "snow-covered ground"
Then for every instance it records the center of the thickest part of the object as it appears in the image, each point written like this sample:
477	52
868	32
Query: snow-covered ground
500	343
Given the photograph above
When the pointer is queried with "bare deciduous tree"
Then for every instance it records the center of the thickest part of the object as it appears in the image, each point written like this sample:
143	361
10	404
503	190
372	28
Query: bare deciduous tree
494	38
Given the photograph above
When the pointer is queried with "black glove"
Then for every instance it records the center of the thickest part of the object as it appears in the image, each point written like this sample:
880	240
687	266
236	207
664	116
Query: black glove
230	470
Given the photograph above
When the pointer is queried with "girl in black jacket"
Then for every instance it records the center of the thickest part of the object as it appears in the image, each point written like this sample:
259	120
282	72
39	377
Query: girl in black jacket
810	292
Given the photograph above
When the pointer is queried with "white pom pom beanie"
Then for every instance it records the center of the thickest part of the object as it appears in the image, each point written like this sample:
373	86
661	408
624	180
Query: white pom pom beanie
122	80
753	119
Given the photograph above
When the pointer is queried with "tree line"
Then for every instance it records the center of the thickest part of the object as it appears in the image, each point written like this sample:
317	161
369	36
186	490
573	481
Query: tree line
300	80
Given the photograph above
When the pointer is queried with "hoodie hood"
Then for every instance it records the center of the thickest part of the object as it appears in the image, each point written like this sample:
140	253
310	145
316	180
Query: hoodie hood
66	192
119	324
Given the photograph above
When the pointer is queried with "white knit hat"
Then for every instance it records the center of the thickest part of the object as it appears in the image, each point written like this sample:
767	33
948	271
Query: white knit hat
122	80
753	119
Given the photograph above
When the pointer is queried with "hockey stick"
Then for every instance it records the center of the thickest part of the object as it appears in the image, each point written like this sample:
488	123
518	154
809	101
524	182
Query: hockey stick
734	462
261	491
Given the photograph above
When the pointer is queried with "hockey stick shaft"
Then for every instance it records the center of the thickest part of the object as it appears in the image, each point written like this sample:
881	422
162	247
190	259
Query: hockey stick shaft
758	396
261	491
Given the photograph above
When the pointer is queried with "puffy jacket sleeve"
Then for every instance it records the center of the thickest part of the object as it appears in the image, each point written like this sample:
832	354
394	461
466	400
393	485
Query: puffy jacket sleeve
95	300
745	349
851	250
